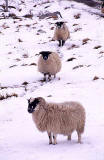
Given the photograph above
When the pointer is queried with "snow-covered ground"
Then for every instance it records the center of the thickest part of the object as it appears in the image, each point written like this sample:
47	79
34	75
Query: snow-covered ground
81	79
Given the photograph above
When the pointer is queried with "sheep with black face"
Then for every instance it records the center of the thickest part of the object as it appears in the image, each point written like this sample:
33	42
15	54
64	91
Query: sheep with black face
57	118
49	63
102	7
61	33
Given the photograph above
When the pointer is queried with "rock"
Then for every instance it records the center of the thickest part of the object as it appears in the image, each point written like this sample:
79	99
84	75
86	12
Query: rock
54	15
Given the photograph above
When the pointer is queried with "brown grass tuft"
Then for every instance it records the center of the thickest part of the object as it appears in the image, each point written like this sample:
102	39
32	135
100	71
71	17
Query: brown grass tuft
2	97
77	16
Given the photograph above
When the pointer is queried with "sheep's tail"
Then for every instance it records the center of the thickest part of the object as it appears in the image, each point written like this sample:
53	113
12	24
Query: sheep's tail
80	129
81	126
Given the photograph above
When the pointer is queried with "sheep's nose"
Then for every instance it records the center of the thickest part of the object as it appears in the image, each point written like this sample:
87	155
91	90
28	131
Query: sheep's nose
45	57
59	26
30	110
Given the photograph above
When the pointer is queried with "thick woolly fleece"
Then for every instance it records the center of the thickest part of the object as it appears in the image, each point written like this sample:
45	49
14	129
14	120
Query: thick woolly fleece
59	118
50	66
102	10
61	33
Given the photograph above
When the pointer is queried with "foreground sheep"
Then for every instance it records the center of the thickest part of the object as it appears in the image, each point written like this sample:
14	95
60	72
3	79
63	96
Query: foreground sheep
57	118
61	33
49	64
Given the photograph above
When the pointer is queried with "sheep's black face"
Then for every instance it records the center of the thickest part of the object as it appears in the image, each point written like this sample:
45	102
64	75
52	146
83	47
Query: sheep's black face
45	54
102	5
32	105
59	24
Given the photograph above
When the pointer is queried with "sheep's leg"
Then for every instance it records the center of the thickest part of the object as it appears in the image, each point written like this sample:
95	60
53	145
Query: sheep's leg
50	137
63	42
54	139
59	43
44	76
54	76
79	137
49	77
69	137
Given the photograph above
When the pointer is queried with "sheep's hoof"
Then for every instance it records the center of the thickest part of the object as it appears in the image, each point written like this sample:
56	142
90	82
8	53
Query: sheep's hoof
63	42
79	142
50	142
69	138
49	78
54	143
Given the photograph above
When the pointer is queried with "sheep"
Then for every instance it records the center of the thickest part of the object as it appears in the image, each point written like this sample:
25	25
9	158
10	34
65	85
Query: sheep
49	63
57	118
61	33
102	7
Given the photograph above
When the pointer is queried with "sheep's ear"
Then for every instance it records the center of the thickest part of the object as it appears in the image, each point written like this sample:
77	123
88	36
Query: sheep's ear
45	52
37	54
48	52
41	52
56	23
28	100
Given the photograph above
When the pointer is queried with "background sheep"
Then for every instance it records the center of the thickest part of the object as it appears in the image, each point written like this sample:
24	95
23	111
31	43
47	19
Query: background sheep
102	7
61	33
49	64
57	118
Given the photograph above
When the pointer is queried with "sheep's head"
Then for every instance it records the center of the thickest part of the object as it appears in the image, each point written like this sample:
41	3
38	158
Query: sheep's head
59	24
102	6
45	54
33	102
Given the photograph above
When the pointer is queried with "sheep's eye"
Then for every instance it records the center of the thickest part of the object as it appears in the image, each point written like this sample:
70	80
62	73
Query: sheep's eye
32	107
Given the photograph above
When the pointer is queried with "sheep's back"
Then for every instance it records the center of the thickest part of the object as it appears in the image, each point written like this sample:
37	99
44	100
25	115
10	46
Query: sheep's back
61	34
52	65
65	117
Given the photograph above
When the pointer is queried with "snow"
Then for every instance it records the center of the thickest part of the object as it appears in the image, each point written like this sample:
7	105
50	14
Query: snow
19	138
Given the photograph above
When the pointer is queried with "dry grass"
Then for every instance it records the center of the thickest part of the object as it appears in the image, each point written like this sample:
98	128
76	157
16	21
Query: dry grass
79	66
95	78
97	47
85	41
77	16
25	55
2	97
13	66
25	83
71	59
77	29
73	46
32	64
19	40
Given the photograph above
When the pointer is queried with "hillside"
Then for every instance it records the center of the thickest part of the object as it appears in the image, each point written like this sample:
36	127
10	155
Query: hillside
23	34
